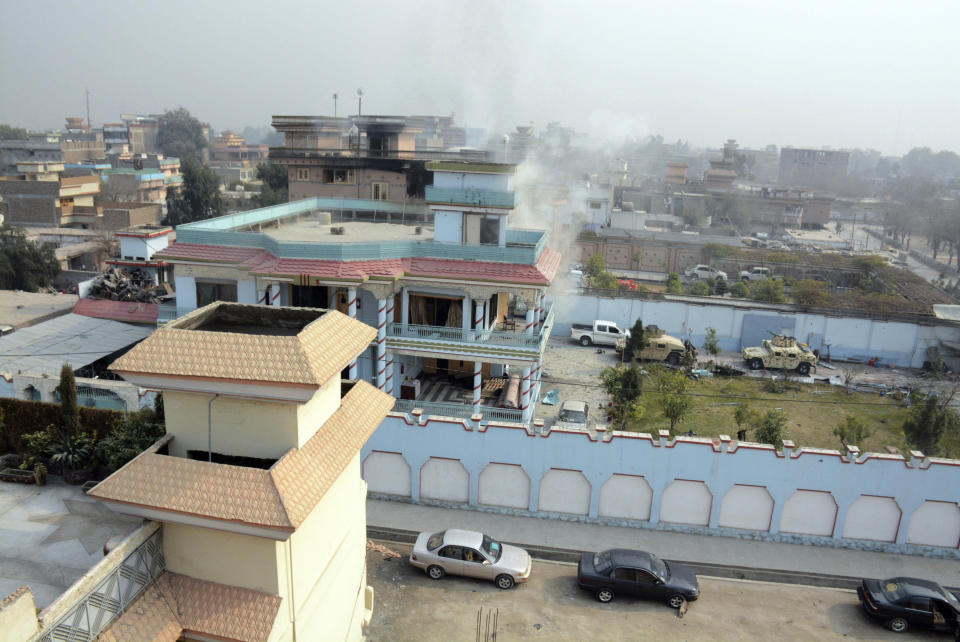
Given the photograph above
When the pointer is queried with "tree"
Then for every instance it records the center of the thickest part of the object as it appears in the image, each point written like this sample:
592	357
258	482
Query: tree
25	265
769	290
674	286
275	185
720	286
739	290
624	385
129	436
770	428
69	409
730	210
851	431
595	266
700	288
674	401
930	419
710	342
744	415
810	292
180	135
12	133
199	197
713	251
638	341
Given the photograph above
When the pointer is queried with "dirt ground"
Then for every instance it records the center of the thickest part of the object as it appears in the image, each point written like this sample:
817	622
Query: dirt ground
550	606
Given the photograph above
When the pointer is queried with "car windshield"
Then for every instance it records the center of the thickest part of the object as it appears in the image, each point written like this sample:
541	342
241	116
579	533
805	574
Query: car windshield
492	549
573	416
435	540
952	600
602	562
659	567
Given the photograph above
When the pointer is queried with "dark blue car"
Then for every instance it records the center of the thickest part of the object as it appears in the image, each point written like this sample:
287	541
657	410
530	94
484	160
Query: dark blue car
902	602
622	571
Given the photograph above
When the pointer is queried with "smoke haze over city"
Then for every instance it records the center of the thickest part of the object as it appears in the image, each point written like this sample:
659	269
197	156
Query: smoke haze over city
853	74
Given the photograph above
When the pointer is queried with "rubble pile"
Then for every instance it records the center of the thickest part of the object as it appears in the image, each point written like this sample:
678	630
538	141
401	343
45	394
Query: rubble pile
117	284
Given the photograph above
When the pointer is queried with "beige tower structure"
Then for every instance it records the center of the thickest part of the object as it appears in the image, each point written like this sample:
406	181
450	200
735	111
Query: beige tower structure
257	483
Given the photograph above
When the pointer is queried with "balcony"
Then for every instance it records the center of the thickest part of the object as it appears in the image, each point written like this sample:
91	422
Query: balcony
460	411
470	197
479	343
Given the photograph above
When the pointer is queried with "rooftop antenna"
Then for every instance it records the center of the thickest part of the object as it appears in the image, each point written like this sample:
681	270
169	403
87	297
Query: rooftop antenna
89	124
359	102
334	105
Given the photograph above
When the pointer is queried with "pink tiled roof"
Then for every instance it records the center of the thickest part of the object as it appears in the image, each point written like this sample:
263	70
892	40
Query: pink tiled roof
176	604
280	498
127	311
263	263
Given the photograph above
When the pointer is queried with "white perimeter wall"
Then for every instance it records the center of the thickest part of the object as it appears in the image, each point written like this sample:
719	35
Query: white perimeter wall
876	502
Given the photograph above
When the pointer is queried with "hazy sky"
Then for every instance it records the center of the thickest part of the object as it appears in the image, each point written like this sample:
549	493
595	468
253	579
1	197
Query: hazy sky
812	73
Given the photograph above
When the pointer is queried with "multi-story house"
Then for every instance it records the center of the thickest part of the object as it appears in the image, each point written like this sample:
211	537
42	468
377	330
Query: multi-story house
41	195
457	296
380	158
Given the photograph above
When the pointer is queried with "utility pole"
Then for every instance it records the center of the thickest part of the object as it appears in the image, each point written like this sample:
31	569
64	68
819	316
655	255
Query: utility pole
89	124
359	102
334	105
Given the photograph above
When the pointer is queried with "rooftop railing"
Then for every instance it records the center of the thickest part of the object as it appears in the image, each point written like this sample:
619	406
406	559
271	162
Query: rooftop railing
476	336
460	411
473	197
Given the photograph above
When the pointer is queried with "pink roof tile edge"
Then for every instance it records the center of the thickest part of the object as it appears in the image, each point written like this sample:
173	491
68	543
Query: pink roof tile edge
261	262
280	498
129	311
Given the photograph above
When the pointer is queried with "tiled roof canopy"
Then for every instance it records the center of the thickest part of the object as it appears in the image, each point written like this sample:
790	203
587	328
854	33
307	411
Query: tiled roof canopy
261	262
177	604
233	342
280	498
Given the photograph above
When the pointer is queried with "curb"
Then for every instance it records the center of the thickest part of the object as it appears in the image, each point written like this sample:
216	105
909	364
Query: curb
700	568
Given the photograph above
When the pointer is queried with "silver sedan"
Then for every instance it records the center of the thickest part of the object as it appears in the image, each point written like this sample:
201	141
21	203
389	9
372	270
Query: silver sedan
473	554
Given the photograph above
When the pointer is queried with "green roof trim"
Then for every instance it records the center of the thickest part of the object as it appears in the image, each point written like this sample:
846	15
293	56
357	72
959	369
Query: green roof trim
471	168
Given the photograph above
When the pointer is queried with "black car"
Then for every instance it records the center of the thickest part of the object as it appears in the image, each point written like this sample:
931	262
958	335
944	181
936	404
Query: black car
902	602
622	571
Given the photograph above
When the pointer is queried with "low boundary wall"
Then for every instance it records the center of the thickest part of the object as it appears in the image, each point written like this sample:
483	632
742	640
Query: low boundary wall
896	342
692	484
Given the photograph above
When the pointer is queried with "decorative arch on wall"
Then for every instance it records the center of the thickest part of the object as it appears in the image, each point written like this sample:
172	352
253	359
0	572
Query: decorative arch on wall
565	491
874	518
935	523
686	501
627	497
504	485
387	473
445	480
809	512
746	507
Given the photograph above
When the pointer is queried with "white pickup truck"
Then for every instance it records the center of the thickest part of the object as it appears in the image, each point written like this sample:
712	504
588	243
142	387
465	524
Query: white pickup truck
757	274
601	333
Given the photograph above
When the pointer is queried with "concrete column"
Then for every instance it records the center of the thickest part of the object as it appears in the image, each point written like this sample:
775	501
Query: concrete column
405	307
478	318
263	296
477	385
487	319
536	314
716	504
381	368
529	322
274	292
534	490
352	313
536	381
388	384
525	406
465	325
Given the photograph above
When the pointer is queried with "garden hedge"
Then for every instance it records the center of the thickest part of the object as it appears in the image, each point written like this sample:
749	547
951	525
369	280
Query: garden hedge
21	417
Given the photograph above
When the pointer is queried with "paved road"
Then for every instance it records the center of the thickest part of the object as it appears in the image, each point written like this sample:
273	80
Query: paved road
410	606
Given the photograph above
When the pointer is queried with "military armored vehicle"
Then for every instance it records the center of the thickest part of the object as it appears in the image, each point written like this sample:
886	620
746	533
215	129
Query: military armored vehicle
783	353
662	347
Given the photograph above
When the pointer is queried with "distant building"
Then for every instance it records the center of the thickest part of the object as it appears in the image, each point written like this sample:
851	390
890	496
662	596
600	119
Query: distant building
138	244
142	133
42	196
364	157
812	168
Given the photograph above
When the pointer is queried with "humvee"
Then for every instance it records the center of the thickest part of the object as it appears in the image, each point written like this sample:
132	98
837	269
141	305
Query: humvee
783	353
662	347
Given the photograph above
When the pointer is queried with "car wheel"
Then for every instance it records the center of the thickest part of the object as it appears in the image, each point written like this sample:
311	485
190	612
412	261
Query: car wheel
673	358
756	363
505	582
675	601
605	595
435	572
803	369
898	625
585	341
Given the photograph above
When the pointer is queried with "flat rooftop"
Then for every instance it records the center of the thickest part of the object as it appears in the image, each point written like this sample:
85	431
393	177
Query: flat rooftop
51	536
353	231
23	309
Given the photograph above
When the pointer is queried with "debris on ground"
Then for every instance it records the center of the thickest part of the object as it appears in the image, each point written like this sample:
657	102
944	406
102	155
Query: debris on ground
683	609
118	284
380	548
551	398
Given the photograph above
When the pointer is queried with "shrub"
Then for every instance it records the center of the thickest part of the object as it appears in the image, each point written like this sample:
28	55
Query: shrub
721	287
710	342
739	290
770	428
809	292
700	289
130	436
674	286
768	290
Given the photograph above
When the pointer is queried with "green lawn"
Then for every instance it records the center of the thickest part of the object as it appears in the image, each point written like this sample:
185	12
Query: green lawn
814	411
